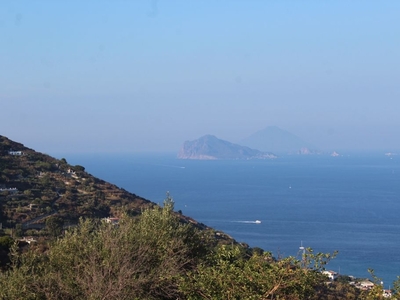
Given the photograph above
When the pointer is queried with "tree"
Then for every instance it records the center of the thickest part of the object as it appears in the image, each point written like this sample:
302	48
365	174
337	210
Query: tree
231	275
54	226
18	230
396	287
79	168
6	242
28	193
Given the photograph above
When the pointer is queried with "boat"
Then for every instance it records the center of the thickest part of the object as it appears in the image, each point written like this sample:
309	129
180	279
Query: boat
257	222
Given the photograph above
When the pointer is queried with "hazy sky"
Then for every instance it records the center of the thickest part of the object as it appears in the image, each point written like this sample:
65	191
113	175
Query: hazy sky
128	76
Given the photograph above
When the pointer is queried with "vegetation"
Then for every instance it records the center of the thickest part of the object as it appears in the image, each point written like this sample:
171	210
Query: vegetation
47	186
140	258
152	252
36	190
156	256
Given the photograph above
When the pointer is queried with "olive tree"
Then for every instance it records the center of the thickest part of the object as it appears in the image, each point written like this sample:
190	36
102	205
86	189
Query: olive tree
230	275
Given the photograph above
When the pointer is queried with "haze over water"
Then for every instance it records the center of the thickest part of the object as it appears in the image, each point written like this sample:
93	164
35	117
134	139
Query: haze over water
349	204
134	76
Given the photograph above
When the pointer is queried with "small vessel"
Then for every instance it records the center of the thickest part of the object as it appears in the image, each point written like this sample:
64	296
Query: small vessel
257	222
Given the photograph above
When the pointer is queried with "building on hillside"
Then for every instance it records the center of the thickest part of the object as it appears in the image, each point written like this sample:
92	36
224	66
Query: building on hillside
113	221
332	275
28	240
33	205
71	172
10	190
18	153
366	284
387	293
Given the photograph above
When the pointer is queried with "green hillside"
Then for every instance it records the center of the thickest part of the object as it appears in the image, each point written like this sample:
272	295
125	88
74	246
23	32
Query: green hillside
36	186
33	185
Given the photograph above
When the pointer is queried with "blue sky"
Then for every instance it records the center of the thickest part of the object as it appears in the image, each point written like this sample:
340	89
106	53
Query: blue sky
134	76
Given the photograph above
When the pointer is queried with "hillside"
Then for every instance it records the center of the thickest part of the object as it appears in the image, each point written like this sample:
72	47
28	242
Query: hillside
210	147
36	186
33	184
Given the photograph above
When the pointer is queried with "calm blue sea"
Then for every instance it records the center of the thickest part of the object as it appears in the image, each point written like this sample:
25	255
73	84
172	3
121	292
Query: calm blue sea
350	204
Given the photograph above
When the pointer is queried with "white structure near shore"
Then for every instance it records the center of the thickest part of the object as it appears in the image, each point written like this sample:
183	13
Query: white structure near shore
332	275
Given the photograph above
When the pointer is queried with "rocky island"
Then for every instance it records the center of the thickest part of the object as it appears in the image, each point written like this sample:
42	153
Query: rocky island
209	147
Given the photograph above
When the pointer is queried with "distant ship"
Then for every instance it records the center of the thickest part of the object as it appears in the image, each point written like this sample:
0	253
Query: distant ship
257	222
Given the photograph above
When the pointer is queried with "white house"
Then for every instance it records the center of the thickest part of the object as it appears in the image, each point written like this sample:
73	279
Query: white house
332	275
366	284
387	293
10	190
15	152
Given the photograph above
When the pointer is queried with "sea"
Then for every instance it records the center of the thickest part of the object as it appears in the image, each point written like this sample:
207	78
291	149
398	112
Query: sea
349	203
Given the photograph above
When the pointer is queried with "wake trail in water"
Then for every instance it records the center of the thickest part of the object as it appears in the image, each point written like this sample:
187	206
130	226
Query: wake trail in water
170	166
248	222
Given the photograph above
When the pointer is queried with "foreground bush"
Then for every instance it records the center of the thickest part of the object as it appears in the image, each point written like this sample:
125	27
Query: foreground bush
138	259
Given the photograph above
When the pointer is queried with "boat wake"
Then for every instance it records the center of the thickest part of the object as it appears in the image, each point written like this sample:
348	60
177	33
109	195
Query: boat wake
249	222
170	166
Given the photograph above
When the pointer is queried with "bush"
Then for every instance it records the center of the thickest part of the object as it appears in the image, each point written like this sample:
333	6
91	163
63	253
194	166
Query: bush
6	242
140	258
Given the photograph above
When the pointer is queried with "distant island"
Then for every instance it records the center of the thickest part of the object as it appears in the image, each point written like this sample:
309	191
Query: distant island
209	147
277	140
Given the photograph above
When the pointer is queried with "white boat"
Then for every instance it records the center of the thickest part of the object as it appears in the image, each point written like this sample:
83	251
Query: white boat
257	222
